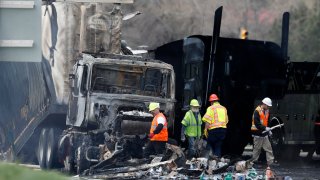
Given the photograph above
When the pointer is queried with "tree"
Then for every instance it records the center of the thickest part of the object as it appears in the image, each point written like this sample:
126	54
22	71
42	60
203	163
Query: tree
304	36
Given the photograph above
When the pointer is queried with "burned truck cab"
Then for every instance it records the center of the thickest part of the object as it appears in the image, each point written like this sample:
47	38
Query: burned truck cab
108	105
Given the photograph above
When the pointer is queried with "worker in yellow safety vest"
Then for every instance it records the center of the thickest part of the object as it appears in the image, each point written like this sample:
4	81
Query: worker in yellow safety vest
216	120
191	127
158	134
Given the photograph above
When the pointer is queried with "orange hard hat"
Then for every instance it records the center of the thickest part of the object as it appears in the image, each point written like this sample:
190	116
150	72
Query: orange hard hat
213	97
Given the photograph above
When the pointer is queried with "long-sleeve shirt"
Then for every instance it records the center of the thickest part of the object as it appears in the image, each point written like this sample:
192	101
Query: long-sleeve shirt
257	123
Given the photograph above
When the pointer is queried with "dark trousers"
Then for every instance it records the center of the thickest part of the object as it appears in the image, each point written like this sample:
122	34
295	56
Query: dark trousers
215	140
155	147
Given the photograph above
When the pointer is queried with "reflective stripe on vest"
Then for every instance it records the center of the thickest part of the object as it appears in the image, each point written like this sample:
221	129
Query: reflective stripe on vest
263	118
163	135
193	129
217	116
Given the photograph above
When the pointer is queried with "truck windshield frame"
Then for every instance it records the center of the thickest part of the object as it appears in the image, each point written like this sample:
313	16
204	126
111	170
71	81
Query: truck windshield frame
129	79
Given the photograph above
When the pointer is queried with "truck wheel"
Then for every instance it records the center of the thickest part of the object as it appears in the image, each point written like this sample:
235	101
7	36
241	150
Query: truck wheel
52	148
68	165
82	163
42	148
3	142
67	154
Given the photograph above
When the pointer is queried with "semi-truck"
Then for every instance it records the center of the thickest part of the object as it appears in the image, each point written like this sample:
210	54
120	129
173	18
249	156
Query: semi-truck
242	72
108	107
88	97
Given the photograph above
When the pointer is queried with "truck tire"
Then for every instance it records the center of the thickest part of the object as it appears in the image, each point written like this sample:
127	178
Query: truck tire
3	141
66	154
42	148
69	165
82	163
52	148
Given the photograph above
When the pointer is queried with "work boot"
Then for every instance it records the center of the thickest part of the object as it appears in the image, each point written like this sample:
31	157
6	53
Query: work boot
275	164
315	156
257	166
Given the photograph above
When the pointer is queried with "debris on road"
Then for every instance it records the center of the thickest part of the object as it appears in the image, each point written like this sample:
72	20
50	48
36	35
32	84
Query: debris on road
174	165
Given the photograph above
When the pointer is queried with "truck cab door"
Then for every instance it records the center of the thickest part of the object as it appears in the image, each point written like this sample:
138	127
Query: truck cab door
78	96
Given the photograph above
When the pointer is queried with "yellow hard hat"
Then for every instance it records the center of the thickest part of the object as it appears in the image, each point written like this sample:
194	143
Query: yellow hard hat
153	106
194	103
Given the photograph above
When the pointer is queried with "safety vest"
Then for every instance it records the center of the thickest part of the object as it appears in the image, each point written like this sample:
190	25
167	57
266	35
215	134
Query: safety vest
216	116
263	118
163	135
193	128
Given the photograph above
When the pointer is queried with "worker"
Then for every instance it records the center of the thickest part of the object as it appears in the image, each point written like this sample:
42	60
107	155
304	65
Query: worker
191	127
158	134
316	154
260	132
216	120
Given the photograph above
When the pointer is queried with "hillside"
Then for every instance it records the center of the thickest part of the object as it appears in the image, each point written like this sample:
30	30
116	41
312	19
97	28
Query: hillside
163	21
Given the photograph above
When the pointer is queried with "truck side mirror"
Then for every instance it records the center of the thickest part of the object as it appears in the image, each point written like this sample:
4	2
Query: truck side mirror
72	76
71	80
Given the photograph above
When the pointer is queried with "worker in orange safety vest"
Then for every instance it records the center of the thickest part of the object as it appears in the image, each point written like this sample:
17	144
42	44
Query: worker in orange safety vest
158	134
216	120
260	132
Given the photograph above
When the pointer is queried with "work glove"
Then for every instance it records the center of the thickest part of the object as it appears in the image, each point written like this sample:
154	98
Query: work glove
268	129
205	133
144	136
151	135
183	138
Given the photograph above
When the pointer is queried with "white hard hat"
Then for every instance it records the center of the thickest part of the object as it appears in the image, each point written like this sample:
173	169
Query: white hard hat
267	101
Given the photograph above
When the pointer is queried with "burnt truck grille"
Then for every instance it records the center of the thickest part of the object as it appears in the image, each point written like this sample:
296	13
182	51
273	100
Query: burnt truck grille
134	122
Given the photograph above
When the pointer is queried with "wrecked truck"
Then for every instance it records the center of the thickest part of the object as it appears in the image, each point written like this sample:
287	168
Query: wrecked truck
78	105
108	106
